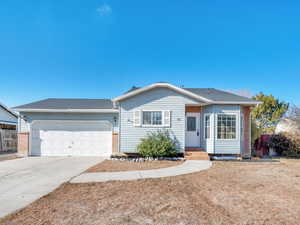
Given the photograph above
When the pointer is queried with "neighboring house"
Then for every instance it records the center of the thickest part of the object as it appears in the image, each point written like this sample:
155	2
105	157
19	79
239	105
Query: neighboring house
206	119
8	119
8	127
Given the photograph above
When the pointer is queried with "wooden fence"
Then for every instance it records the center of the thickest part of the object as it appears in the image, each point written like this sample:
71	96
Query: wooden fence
8	140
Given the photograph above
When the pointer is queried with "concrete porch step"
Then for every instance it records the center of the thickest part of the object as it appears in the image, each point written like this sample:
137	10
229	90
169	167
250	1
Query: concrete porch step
197	158
194	149
194	155
190	153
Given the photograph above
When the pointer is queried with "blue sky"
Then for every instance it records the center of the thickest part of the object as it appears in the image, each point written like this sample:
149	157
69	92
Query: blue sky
99	49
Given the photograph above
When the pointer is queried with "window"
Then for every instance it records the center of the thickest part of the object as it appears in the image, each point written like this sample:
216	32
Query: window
152	118
207	126
226	126
242	126
191	123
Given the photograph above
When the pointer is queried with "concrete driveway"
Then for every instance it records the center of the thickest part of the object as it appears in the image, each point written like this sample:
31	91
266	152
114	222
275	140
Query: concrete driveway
25	180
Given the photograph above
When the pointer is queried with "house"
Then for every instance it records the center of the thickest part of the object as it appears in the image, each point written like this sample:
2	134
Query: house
8	127
206	119
8	119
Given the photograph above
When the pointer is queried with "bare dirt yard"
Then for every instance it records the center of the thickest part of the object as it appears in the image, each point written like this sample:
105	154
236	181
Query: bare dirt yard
228	193
116	165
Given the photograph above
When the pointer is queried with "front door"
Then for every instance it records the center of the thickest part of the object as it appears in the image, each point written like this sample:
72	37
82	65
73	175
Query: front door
192	130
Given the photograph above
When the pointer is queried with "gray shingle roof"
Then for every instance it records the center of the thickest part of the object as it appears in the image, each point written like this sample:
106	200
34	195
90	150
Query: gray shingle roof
219	95
69	103
213	94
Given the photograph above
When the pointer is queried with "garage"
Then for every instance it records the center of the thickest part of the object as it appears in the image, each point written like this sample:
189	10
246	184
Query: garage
70	138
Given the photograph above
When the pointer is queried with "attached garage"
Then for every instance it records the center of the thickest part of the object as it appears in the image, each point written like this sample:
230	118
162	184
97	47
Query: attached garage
68	127
71	138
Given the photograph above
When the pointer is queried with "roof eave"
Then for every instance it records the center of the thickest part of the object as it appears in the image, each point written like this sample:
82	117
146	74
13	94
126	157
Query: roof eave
237	103
8	122
69	110
8	110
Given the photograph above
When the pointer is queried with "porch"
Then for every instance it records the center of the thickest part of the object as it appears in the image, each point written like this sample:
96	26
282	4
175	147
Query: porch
194	134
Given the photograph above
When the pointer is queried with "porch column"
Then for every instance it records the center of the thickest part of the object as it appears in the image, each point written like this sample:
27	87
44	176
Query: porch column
247	132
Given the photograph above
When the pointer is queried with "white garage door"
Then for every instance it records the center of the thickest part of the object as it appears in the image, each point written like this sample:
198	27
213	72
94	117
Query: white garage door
71	138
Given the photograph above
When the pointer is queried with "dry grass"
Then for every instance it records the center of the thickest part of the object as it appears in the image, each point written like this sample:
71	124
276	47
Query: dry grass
228	193
115	165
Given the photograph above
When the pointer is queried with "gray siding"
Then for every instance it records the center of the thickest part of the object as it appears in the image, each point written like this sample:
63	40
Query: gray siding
69	116
228	146
155	99
224	146
23	126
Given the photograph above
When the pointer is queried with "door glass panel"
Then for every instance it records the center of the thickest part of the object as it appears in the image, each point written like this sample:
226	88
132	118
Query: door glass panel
191	123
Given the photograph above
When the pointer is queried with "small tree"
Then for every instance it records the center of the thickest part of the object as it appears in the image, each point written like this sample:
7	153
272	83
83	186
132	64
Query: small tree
157	144
267	114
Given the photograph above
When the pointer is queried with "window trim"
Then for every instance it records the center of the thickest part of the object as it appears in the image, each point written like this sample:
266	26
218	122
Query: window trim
236	127
242	129
152	125
210	127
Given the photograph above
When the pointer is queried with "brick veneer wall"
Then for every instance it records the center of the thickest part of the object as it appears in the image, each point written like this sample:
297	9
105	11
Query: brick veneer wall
247	132
193	109
23	144
115	142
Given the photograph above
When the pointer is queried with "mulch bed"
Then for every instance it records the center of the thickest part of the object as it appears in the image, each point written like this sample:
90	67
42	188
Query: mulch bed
116	165
228	193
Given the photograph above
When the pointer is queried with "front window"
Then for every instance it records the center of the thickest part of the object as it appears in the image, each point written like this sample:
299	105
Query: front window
152	118
226	126
207	126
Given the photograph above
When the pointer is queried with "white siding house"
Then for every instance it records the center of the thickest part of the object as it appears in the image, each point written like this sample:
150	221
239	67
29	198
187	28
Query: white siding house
202	119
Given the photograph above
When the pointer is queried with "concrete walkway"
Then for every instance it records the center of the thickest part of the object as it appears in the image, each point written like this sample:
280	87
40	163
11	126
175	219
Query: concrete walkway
189	166
25	180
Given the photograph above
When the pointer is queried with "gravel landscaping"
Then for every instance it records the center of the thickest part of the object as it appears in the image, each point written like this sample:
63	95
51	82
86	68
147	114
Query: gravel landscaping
116	165
228	193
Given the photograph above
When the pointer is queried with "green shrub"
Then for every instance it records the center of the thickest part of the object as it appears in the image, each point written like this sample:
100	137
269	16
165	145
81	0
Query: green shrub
285	144
157	144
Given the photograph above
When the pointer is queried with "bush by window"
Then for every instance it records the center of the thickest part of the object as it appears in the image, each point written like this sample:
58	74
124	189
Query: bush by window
157	144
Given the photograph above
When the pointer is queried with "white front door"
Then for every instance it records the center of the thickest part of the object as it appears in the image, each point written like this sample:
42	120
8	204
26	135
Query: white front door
192	130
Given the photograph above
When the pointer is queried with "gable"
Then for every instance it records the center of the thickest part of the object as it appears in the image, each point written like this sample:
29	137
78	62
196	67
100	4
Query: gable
138	91
6	116
204	95
158	98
